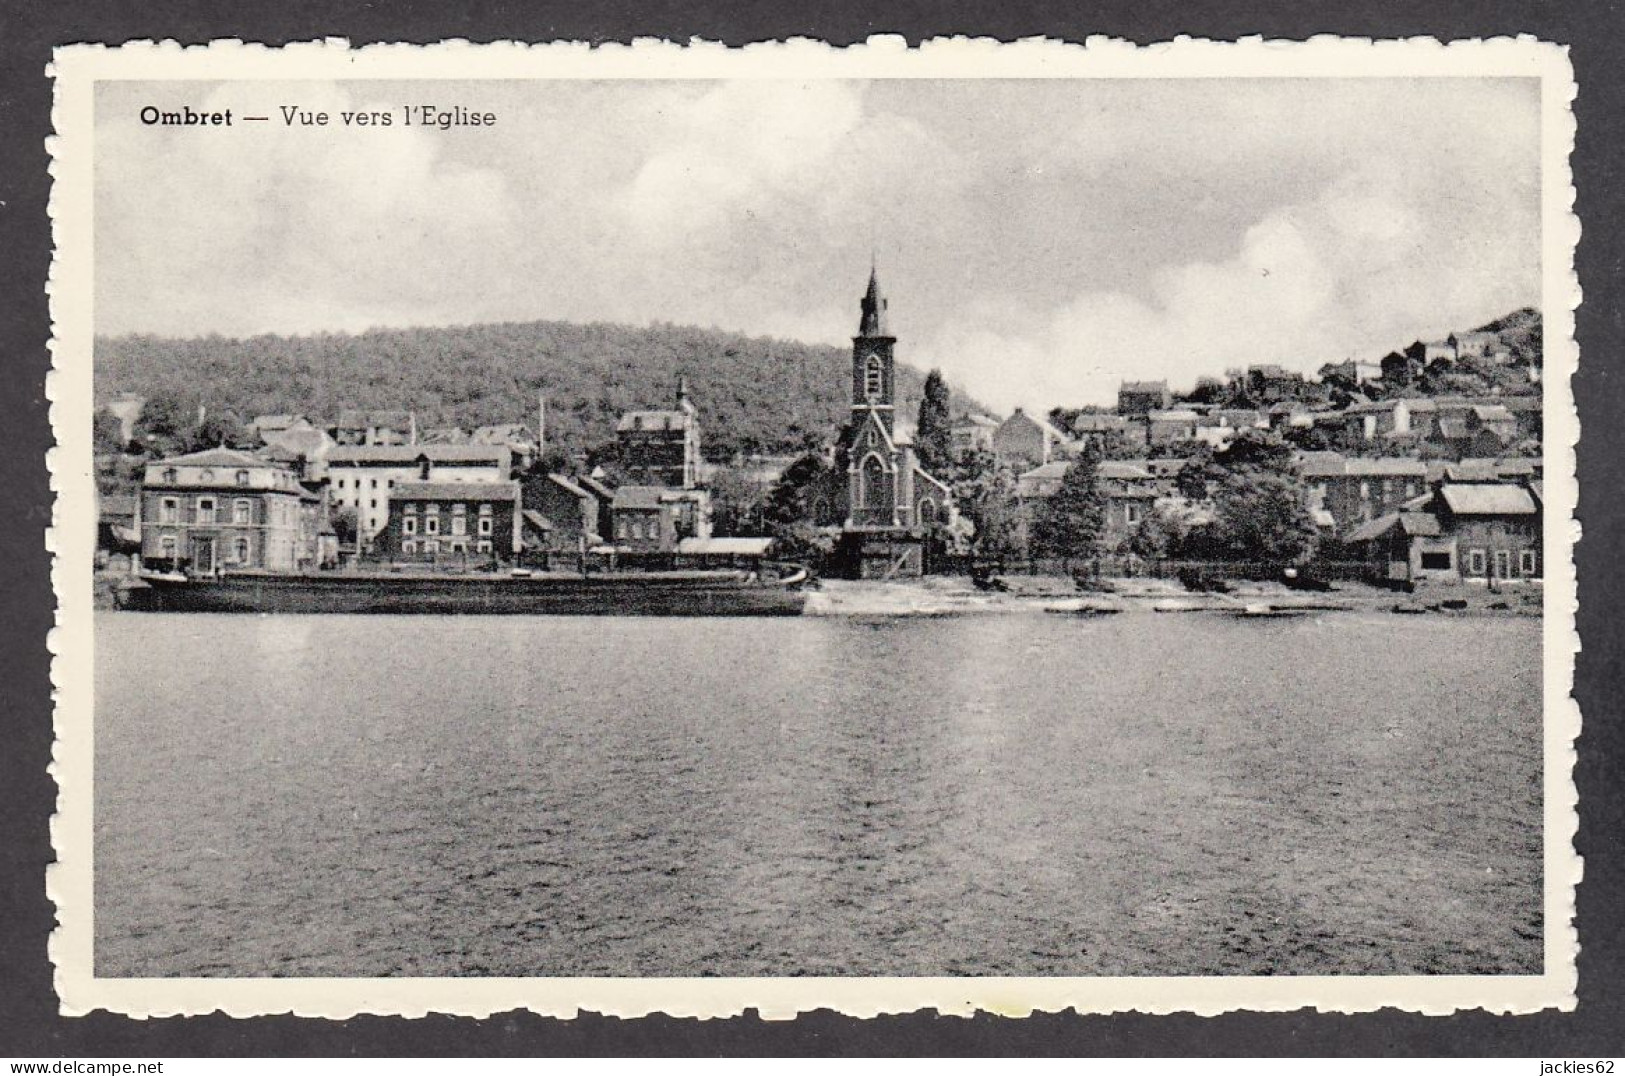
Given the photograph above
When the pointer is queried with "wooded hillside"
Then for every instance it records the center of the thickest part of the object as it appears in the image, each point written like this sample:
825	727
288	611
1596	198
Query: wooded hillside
755	394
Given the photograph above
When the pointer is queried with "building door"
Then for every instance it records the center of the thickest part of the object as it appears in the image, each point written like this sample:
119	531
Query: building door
203	555
1503	564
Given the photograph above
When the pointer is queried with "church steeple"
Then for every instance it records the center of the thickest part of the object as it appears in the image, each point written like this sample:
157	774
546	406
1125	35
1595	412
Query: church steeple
872	365
873	322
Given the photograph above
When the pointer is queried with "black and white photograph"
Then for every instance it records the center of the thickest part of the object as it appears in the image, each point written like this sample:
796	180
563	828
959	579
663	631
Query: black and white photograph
1002	527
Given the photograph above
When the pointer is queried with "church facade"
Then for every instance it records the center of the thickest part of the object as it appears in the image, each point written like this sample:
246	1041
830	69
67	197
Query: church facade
892	503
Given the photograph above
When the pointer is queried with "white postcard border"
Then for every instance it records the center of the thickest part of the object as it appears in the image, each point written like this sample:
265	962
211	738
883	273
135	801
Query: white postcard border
70	880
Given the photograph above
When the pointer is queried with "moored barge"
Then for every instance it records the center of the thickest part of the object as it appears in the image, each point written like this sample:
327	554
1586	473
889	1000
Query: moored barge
675	593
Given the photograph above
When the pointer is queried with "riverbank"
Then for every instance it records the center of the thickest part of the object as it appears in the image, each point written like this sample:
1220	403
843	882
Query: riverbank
955	595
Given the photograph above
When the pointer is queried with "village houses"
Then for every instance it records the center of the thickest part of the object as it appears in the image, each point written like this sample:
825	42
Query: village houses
224	509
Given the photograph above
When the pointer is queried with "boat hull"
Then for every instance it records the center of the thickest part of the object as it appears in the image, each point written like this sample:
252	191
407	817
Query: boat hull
496	595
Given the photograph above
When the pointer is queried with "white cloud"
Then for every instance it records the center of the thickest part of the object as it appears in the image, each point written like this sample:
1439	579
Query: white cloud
1041	240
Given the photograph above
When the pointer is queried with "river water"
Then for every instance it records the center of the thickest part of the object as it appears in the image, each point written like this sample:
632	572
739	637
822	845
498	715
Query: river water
982	795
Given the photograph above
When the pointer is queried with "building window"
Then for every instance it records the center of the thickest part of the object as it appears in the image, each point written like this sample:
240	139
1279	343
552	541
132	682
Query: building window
205	475
205	509
459	547
874	379
372	483
1131	514
169	510
459	524
482	547
620	529
171	475
242	478
409	508
1475	562
431	525
485	509
459	509
1365	491
1526	562
242	511
1436	562
239	549
409	546
485	524
167	546
431	546
409	525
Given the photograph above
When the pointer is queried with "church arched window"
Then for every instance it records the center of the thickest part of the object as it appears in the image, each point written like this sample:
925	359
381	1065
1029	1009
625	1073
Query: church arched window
874	378
872	483
928	511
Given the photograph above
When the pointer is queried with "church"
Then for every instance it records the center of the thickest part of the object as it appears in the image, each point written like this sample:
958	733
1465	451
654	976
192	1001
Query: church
892	504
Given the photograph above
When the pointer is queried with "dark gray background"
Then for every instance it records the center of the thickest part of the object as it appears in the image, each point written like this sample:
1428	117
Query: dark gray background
29	1024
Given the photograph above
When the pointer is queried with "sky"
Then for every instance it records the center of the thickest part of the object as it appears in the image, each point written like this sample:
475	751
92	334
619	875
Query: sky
1039	240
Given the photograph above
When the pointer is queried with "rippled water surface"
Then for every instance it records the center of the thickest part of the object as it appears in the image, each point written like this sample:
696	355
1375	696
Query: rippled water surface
992	795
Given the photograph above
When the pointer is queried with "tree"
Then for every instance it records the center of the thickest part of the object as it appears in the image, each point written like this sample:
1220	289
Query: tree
736	503
933	438
1258	499
991	508
1069	524
346	525
167	424
106	433
790	500
217	429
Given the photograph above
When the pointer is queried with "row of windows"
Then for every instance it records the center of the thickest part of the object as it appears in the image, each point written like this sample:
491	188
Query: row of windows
432	545
206	510
173	474
637	529
431	525
238	552
1479	561
457	509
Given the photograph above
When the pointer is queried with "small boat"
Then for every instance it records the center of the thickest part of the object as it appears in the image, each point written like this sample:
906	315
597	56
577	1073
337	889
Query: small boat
674	593
1264	609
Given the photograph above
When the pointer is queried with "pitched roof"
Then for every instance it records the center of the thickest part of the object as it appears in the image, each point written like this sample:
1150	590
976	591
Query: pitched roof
1487	499
405	454
1053	469
568	486
1322	464
1124	470
1453	428
1417	524
598	489
217	457
976	420
454	491
1177	414
359	418
268	423
638	496
1143	386
296	441
1392	466
748	547
537	520
653	420
500	434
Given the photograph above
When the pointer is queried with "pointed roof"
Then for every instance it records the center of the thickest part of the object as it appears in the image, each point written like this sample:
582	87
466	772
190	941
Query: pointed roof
873	322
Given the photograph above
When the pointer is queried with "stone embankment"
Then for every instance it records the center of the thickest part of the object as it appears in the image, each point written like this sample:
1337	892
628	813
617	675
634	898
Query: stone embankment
955	595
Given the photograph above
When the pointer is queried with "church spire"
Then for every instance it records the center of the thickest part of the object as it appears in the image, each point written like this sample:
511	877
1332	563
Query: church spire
874	309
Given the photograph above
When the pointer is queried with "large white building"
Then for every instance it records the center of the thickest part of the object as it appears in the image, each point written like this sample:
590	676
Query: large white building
362	476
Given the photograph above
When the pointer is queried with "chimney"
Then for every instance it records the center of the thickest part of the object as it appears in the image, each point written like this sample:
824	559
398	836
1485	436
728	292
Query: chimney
423	467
